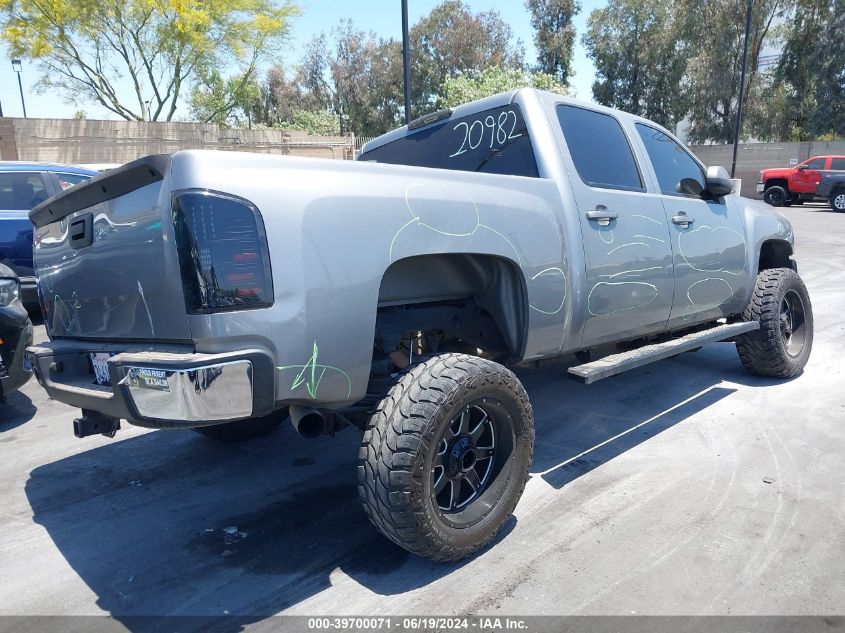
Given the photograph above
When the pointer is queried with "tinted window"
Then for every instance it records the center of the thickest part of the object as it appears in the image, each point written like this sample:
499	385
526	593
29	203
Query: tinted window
816	163
20	191
837	163
678	174
493	142
599	149
69	180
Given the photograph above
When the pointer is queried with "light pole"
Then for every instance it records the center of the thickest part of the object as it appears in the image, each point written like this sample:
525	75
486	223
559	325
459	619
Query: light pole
406	61
16	66
741	84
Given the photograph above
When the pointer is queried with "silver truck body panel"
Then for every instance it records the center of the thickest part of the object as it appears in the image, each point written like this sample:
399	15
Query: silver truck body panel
334	228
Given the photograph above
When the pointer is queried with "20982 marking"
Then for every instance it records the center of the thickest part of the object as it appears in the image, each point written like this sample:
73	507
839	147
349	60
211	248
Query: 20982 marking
499	135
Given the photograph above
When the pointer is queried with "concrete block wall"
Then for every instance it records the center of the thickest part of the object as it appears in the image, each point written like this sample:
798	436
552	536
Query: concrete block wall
77	141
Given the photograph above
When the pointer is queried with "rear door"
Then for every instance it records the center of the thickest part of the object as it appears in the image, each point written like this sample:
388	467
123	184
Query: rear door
623	228
708	236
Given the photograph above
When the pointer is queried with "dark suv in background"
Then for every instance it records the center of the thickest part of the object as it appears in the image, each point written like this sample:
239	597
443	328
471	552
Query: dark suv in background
23	186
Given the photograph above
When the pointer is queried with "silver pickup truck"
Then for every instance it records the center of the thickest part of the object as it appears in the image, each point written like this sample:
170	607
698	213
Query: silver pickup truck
226	292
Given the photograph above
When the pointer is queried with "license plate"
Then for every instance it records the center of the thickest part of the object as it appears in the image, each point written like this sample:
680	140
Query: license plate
100	363
760	187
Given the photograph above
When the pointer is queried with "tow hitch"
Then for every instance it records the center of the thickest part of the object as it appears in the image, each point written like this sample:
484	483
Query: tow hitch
92	423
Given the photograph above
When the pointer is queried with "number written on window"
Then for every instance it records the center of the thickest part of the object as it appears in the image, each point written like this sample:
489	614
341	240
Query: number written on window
494	141
498	130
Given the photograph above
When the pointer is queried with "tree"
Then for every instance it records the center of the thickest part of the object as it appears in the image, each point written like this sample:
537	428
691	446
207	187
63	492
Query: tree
322	123
554	35
231	102
453	39
463	88
357	76
804	98
640	54
86	48
829	117
714	71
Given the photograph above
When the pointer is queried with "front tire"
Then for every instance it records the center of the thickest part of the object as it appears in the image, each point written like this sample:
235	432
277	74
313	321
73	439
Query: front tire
242	430
776	196
445	456
837	201
782	345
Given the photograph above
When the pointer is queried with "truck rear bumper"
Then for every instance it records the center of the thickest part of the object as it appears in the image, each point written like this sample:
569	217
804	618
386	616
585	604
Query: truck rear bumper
158	389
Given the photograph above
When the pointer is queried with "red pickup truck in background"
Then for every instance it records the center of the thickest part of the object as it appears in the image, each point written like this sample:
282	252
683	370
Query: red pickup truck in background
782	187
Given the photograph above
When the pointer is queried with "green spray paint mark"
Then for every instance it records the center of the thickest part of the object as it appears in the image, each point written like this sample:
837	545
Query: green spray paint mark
311	374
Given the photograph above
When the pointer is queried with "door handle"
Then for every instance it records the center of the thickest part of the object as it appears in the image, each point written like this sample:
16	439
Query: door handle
683	219
602	215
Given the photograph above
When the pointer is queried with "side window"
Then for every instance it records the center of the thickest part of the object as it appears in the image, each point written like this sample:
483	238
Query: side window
69	180
816	163
20	191
678	174
599	149
837	164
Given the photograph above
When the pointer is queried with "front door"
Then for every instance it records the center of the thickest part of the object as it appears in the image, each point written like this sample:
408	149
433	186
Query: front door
807	178
708	236
624	230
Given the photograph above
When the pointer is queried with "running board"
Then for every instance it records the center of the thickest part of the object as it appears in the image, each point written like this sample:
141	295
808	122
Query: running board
617	363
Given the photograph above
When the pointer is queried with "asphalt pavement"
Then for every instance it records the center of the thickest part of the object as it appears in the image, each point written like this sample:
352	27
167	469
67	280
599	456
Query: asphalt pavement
687	487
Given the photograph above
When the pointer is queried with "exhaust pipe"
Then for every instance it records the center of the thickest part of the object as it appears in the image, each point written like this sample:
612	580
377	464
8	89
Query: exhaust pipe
308	421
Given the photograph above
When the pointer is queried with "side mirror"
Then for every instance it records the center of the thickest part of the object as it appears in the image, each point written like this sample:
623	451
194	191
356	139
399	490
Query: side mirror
718	181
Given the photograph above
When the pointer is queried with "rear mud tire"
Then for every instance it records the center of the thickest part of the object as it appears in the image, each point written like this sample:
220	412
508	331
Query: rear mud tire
427	427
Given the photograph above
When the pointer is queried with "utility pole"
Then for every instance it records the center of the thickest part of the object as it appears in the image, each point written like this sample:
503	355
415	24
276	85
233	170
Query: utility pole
17	67
406	61
741	84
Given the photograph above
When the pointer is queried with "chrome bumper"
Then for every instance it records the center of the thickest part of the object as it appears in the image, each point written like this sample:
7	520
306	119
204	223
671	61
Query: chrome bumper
167	387
212	392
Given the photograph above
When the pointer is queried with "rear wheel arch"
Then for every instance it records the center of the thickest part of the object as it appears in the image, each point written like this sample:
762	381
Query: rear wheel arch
419	291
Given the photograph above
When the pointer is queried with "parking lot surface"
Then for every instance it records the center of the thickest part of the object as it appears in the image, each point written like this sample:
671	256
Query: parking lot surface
688	487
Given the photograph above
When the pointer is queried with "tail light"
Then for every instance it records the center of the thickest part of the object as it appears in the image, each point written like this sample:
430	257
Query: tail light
222	253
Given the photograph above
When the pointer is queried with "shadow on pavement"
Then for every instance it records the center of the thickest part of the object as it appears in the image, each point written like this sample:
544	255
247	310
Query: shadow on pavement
167	523
17	410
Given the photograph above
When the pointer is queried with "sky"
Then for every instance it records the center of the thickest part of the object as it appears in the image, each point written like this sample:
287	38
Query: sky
381	16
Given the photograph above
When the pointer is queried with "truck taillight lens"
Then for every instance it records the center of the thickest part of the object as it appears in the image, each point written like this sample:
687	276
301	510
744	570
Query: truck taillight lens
222	253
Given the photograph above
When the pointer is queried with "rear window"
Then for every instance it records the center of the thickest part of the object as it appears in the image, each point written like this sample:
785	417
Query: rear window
599	149
492	142
837	163
20	190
